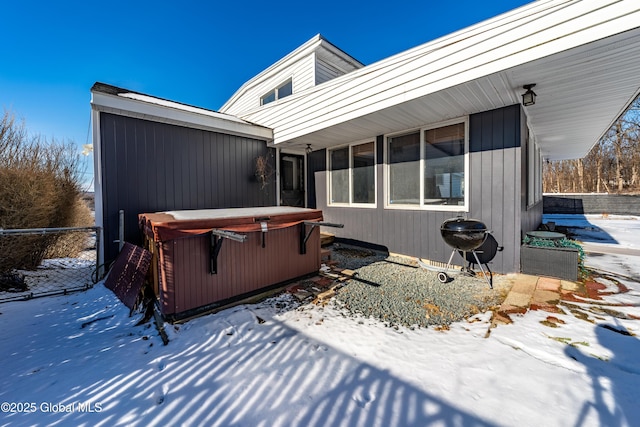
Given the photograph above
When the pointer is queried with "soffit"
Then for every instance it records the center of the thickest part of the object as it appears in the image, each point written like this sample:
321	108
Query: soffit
581	92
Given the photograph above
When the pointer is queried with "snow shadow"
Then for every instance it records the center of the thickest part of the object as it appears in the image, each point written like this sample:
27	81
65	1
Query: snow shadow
238	367
579	227
612	401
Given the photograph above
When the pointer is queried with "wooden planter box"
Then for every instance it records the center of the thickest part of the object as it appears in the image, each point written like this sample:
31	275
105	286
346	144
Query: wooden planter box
554	262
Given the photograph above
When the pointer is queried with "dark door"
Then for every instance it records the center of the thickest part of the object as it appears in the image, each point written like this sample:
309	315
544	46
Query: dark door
291	180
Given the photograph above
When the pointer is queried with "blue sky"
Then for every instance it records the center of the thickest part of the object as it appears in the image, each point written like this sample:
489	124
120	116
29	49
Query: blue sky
194	52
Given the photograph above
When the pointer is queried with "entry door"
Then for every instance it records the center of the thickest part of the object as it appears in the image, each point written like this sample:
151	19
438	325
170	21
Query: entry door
291	180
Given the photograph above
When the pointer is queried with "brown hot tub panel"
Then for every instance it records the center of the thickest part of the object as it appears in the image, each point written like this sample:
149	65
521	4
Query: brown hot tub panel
209	257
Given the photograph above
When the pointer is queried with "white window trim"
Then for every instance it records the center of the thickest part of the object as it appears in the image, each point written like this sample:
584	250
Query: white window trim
351	204
534	171
422	206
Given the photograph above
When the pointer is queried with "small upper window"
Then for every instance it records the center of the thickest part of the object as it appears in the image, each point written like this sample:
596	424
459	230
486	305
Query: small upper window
270	97
285	89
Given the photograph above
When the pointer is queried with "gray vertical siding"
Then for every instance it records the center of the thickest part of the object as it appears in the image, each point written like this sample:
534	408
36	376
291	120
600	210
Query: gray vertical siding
531	216
151	167
495	140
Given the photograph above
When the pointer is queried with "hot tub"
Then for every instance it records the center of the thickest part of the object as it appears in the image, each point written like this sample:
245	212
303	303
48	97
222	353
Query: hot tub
204	259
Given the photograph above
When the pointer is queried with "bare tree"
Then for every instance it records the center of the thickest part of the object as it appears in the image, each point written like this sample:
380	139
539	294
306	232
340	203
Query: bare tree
613	163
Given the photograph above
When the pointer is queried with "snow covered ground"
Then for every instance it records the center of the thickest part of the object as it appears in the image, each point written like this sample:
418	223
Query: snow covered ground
80	360
607	236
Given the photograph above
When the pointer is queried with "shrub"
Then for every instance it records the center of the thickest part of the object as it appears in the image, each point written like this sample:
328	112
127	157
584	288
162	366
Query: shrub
72	243
39	188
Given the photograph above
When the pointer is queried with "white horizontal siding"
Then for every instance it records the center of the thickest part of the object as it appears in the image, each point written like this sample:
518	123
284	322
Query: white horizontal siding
524	35
299	65
301	72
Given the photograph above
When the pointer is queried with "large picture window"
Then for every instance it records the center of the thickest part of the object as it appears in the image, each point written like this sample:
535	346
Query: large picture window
339	161
404	169
352	174
426	168
444	165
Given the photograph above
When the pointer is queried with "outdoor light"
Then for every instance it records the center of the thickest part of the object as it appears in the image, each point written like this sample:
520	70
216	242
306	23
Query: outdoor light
308	149
529	97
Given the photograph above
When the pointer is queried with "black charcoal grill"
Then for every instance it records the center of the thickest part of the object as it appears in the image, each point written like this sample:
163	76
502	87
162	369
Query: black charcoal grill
464	235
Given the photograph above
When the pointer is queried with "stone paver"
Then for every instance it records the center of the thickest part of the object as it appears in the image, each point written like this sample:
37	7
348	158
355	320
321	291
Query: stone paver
524	284
569	286
548	284
516	299
543	296
533	293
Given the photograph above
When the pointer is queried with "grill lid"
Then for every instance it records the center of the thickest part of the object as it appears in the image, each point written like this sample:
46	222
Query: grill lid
463	234
462	224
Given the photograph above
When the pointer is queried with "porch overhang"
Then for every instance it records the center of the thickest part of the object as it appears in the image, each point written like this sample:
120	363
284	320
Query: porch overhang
585	78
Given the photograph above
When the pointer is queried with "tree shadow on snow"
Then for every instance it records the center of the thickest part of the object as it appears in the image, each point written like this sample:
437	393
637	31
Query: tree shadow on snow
614	399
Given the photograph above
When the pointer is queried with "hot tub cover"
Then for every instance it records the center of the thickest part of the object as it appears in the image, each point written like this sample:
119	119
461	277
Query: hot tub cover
163	226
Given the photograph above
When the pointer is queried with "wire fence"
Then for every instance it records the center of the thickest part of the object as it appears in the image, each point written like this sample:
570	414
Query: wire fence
47	261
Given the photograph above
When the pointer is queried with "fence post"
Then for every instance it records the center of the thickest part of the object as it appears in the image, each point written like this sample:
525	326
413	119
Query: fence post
99	266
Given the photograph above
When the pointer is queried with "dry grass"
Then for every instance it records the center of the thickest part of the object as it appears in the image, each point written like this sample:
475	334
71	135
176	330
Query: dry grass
71	244
39	188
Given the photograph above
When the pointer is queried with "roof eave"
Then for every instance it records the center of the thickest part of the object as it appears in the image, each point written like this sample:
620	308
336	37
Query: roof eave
137	105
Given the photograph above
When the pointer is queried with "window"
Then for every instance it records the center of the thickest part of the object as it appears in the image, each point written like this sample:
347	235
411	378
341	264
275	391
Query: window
444	165
352	174
404	169
426	168
363	173
339	160
285	89
269	97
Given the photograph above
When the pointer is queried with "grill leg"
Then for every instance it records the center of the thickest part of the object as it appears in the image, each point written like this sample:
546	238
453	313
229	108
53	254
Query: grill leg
482	269
450	258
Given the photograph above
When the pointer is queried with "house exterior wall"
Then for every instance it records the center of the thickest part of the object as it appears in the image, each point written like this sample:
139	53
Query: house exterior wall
495	167
149	166
301	73
311	64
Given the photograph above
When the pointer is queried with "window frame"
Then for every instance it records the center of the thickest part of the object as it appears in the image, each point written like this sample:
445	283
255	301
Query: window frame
276	92
534	171
351	203
421	205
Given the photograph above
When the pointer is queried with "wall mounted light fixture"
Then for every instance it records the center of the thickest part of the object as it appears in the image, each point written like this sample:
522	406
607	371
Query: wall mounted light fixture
529	97
308	149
